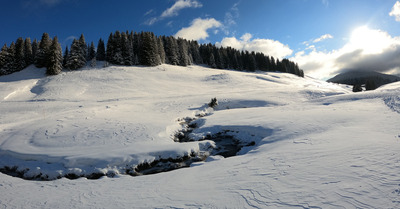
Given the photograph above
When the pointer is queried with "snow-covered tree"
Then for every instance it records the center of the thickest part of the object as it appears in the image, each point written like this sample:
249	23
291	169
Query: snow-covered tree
91	51
148	51
3	60
126	50
76	58
43	50
101	51
161	51
83	46
184	59
66	55
55	58
35	48
19	56
28	52
171	51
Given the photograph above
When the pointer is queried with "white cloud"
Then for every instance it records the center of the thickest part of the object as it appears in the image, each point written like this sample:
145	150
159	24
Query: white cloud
149	12
396	11
366	49
266	46
151	21
323	37
325	2
232	15
179	5
173	10
198	29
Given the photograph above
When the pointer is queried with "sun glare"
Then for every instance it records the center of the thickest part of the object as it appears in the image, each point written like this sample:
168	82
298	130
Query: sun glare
370	41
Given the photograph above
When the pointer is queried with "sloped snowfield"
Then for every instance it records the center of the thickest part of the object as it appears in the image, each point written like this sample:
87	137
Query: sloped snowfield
314	144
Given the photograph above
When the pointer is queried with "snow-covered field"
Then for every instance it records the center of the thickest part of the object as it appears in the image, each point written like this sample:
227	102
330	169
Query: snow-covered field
317	145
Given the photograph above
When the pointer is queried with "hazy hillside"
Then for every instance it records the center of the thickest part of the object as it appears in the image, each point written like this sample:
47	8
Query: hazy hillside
361	78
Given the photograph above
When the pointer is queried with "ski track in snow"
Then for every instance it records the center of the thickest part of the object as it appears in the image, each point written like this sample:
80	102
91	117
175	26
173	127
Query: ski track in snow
317	145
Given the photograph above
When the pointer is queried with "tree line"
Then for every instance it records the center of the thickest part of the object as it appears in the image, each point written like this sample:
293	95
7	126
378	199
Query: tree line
132	48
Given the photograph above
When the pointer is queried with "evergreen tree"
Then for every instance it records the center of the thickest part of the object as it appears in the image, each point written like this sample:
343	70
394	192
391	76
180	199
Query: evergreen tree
76	59
212	61
35	48
28	52
110	48
117	49
161	51
357	88
4	60
66	55
10	63
219	63
55	58
101	51
171	51
19	56
370	85
83	46
148	51
93	63
195	52
126	50
183	52
43	50
91	51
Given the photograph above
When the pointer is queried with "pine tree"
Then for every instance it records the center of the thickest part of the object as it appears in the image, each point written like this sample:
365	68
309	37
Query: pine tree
101	51
55	58
19	57
161	50
117	49
10	64
28	52
91	51
43	50
357	88
110	48
3	60
171	51
34	50
183	53
148	52
66	55
195	52
126	50
83	46
93	63
76	59
370	85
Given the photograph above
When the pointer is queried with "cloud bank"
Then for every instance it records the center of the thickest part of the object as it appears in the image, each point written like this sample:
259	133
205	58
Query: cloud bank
198	29
367	49
266	46
396	11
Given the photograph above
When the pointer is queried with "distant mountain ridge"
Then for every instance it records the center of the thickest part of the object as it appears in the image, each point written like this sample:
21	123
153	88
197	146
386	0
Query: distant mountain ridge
358	77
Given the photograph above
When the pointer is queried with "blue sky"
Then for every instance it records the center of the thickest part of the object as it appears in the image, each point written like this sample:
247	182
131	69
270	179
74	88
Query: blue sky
318	34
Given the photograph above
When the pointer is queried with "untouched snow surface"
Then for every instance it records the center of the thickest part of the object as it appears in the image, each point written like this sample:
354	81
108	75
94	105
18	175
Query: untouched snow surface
317	145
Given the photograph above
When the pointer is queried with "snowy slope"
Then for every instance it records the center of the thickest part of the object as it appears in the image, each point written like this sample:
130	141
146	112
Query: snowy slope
317	145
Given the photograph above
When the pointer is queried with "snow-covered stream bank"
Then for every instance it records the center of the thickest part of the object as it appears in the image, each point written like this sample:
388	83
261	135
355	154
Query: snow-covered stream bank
316	145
